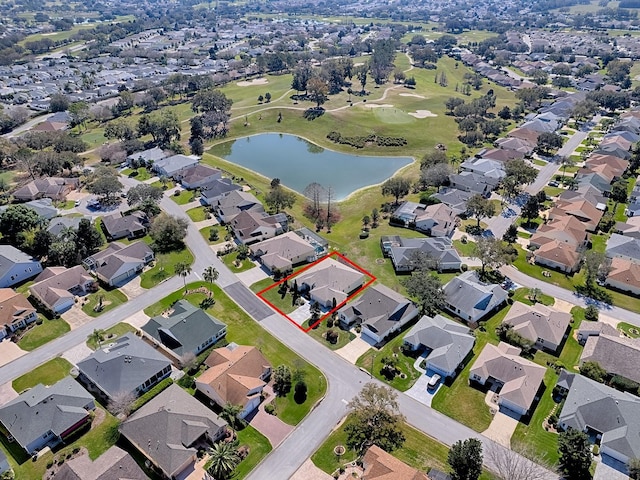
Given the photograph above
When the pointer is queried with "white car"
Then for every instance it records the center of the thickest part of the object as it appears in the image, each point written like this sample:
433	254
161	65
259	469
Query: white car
77	204
434	381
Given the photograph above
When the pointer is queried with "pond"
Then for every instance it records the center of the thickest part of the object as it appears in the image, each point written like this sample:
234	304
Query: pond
297	163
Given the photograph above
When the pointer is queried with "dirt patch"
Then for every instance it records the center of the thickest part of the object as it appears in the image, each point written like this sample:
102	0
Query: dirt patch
414	95
375	105
255	81
423	114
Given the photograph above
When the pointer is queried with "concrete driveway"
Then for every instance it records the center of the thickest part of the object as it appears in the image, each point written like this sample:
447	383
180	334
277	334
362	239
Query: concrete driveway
353	350
132	288
300	314
7	393
420	392
138	319
9	351
501	429
77	353
75	317
249	277
308	471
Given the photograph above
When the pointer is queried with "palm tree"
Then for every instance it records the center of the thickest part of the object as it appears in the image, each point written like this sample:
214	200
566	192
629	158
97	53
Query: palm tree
566	161
183	270
230	413
97	336
164	181
210	275
223	460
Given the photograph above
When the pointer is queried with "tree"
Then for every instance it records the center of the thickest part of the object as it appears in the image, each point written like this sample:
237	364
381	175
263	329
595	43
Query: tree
591	313
531	209
97	336
58	102
575	454
426	288
79	113
120	129
210	275
279	198
595	266
520	462
211	100
168	232
465	459
375	217
182	270
16	219
301	76
143	193
87	239
634	468
318	90
397	187
566	161
231	414
592	369
490	252
374	419
619	191
120	403
511	234
361	74
106	187
548	141
505	113
436	175
164	128
316	193
281	380
223	460
521	171
433	157
480	207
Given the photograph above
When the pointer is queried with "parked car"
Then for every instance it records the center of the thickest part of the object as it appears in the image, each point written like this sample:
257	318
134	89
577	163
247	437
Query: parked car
553	183
77	204
434	381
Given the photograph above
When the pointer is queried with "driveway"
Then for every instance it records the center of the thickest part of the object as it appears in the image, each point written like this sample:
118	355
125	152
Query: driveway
249	277
7	393
138	319
420	392
308	471
353	350
269	425
77	353
132	288
9	351
501	429
605	472
300	314
75	317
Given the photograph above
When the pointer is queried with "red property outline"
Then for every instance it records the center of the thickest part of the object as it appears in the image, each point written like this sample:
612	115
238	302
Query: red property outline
293	275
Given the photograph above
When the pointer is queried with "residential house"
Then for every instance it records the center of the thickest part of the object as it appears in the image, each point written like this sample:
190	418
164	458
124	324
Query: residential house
565	229
114	464
15	312
236	374
436	220
59	224
405	253
625	247
16	266
604	413
118	263
46	415
252	226
186	330
558	255
55	123
168	429
381	312
447	343
197	176
517	144
380	465
582	210
517	380
546	327
281	253
502	155
146	157
471	299
55	188
42	206
174	166
593	329
597	180
617	355
56	288
473	183
235	202
329	281
491	170
214	190
624	275
117	225
586	192
126	366
454	199
630	228
525	134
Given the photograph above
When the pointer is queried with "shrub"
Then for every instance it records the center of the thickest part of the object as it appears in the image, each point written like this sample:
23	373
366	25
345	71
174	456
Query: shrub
270	409
591	313
213	235
300	392
39	321
595	450
464	267
187	381
331	336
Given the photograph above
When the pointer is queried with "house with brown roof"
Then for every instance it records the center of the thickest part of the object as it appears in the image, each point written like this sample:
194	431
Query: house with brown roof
617	355
329	280
529	136
624	275
558	255
281	253
114	464
236	374
437	220
517	380
117	225
565	229
15	312
379	465
581	209
118	263
235	202
55	188
546	327
56	287
254	226
197	175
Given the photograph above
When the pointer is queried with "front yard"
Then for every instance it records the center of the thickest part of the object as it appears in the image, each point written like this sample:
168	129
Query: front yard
198	214
406	375
235	265
206	233
319	333
38	335
184	197
259	447
111	334
141	174
164	267
243	330
97	303
47	374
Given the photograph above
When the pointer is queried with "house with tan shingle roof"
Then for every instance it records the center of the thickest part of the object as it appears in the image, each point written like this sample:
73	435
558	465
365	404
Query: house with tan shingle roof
55	188
253	226
236	374
544	326
624	275
617	355
15	312
517	380
380	465
57	287
558	255
581	209
284	251
329	280
566	229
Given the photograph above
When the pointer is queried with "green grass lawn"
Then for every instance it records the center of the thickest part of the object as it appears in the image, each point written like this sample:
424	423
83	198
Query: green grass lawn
110	300
244	331
244	265
464	249
523	294
540	163
553	191
111	334
371	361
344	336
198	214
206	233
168	184
186	196
38	335
65	205
259	448
419	451
629	330
283	303
48	373
141	174
164	267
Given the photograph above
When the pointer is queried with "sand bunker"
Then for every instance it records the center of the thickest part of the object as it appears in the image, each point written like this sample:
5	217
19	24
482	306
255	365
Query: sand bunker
375	105
422	114
255	81
415	95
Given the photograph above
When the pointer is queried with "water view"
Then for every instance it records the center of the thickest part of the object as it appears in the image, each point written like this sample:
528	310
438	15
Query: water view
297	163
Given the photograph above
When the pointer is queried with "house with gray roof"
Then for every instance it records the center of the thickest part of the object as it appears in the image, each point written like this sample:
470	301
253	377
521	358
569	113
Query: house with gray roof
42	206
281	253
471	299
602	412
114	464
454	198
57	287
406	253
187	329
617	355
517	380
544	326
126	366
214	190
118	263
16	266
146	157
253	226
329	281
173	166
230	205
59	224
473	182
623	246
169	429
197	176
437	220
381	312
447	343
47	415
117	225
